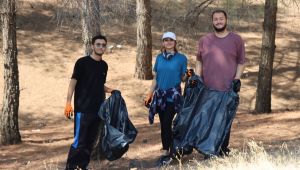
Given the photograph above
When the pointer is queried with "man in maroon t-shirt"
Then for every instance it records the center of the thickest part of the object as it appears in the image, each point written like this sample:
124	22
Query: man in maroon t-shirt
220	58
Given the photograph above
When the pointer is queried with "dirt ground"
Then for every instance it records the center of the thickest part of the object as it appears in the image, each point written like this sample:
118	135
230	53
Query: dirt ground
46	58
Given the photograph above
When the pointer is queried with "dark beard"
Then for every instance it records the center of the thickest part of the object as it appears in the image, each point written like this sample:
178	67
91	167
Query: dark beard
220	29
100	54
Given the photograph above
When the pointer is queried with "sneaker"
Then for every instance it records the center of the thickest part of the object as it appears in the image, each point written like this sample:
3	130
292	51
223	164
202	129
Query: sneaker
224	152
164	161
165	152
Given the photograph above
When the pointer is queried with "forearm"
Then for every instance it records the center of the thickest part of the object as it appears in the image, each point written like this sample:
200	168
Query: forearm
107	89
153	85
71	90
199	68
184	78
239	71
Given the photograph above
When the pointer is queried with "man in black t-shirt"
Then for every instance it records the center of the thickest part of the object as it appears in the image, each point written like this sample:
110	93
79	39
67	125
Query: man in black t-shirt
88	83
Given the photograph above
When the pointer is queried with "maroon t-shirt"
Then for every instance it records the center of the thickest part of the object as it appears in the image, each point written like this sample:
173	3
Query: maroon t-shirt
220	57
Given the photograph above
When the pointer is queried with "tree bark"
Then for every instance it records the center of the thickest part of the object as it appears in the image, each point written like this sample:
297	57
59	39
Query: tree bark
143	67
90	21
9	127
264	86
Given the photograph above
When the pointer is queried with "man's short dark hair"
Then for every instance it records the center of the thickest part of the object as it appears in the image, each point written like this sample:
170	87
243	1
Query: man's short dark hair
219	11
98	37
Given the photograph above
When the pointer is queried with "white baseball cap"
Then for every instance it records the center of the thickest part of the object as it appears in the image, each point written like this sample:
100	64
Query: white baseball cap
169	35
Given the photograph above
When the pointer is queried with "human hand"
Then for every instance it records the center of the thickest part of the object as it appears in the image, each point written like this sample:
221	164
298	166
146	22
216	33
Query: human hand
68	110
236	85
148	100
190	72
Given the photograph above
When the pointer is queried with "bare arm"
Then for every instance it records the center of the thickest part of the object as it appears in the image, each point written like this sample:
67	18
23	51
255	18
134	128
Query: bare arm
107	89
184	78
198	68
153	85
71	89
148	98
239	71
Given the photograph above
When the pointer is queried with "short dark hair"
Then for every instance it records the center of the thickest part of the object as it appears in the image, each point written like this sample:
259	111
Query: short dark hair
98	37
218	11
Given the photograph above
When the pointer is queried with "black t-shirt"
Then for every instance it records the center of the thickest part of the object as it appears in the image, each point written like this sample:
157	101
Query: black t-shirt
89	91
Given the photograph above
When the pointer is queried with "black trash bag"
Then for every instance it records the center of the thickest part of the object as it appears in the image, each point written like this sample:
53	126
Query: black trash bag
118	131
204	120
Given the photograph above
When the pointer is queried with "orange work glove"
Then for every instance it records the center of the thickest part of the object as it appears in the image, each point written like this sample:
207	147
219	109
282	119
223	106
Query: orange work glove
68	110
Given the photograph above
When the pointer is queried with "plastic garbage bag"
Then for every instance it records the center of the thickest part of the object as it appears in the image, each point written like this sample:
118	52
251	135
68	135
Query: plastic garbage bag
204	120
118	131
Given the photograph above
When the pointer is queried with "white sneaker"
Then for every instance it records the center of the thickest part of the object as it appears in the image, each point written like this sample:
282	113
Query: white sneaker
165	152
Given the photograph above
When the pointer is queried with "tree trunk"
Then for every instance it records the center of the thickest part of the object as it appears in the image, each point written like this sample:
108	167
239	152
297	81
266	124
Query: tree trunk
90	20
9	127
264	86
143	67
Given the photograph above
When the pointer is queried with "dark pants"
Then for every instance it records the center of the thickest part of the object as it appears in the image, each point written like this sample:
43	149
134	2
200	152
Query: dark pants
166	119
86	127
224	148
